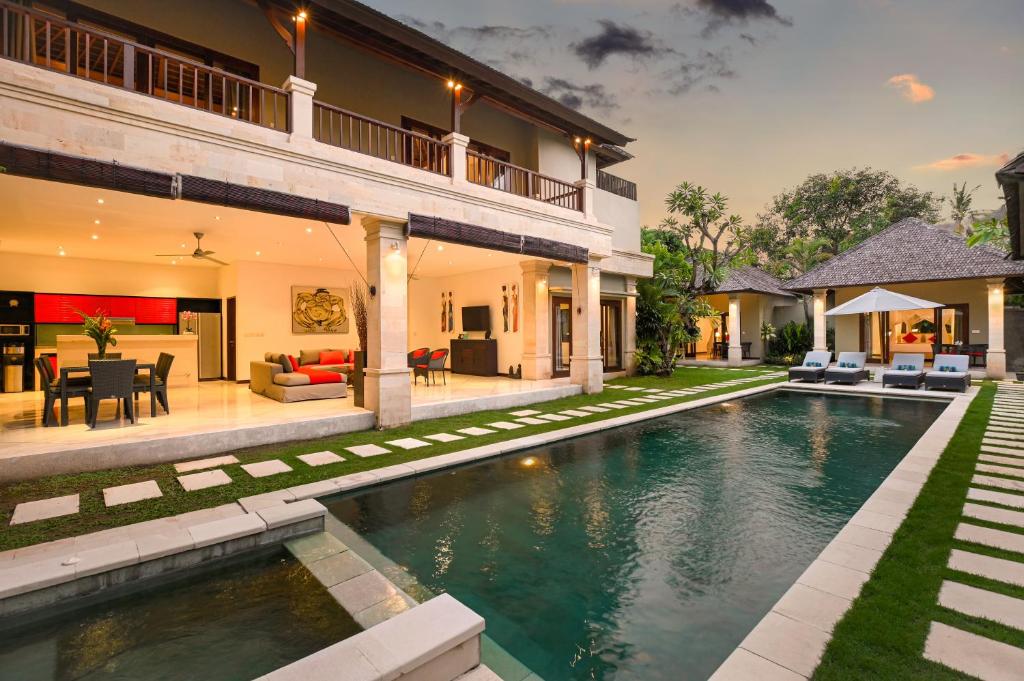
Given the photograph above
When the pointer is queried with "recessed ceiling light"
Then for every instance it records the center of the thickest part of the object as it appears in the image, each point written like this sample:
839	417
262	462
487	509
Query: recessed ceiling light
309	230
182	245
257	252
440	248
60	251
95	222
216	217
95	237
174	262
99	201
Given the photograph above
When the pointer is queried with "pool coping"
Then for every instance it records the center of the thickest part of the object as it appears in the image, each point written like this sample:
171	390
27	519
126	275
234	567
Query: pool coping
787	644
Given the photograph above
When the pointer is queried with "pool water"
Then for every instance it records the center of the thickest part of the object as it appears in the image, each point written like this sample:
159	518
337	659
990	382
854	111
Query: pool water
234	622
647	551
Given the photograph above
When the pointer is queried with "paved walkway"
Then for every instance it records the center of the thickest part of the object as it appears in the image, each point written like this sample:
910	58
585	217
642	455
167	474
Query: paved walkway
996	497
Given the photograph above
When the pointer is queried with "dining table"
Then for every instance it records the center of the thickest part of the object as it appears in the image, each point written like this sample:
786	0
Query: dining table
150	368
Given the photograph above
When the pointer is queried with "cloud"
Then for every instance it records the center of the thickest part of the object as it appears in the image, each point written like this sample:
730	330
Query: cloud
724	12
961	161
700	70
576	96
616	39
912	89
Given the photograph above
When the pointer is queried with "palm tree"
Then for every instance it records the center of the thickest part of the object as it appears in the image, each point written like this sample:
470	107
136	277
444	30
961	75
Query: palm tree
803	255
960	205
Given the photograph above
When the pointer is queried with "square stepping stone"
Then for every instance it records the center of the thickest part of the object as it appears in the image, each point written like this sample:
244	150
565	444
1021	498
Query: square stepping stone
368	450
634	389
554	417
532	421
200	464
986	536
476	430
320	458
445	437
408	443
611	405
505	425
524	412
574	412
974	655
126	494
999	569
263	469
644	400
628	403
594	410
653	390
44	509
982	603
198	481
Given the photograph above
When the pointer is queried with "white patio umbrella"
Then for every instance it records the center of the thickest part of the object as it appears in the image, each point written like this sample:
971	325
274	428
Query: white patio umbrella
880	300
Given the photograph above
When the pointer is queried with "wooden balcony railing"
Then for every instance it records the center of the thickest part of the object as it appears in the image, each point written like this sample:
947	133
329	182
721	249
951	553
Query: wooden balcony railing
349	130
490	172
616	185
41	39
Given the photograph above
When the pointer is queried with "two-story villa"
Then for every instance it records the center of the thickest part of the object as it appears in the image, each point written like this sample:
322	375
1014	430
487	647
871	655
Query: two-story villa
321	148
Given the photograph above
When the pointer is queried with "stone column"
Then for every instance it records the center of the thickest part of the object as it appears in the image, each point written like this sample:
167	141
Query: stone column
629	324
536	319
300	106
585	365
820	297
388	392
735	331
995	359
457	143
587	187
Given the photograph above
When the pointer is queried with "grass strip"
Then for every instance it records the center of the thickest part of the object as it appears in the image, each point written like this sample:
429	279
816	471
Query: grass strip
94	516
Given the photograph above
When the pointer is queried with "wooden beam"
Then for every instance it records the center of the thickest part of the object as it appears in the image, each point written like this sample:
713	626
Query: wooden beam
300	44
275	21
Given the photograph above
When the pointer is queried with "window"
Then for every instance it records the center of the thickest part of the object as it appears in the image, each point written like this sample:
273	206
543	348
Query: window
611	334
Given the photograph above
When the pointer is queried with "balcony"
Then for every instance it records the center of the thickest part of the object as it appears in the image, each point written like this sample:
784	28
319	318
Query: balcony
503	176
616	185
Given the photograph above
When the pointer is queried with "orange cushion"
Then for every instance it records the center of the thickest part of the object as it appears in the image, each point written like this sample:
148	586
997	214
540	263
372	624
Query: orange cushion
294	362
332	357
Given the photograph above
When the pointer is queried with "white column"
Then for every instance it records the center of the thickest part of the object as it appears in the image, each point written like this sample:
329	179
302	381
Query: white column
995	360
820	300
388	392
587	187
735	331
300	106
536	319
458	144
585	366
629	324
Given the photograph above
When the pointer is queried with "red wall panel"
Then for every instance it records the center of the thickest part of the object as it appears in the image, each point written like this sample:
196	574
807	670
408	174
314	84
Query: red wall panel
60	308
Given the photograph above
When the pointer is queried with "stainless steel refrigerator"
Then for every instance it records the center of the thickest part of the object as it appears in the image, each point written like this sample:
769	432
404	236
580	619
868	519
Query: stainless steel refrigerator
206	325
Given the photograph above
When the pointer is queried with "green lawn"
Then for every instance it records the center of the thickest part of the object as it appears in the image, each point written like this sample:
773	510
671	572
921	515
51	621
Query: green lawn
883	634
95	516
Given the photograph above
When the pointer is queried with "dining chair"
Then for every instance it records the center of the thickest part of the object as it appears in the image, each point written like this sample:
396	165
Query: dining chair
78	386
160	374
111	380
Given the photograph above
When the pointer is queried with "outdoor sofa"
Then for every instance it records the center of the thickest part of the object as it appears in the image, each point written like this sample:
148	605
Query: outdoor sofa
906	371
850	368
813	368
313	375
950	372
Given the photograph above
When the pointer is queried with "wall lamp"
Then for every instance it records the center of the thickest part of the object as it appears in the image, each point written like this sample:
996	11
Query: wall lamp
454	86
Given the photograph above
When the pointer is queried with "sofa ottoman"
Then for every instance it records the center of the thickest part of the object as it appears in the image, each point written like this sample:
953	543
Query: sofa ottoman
270	380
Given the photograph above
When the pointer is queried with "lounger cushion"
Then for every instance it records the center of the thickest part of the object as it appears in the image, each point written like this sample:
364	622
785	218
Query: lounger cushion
844	370
903	372
948	374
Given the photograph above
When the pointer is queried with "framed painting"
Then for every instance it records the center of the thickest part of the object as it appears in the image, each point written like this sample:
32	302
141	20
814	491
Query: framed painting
318	309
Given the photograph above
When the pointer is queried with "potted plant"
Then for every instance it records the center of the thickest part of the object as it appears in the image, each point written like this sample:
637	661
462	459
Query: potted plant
100	329
359	312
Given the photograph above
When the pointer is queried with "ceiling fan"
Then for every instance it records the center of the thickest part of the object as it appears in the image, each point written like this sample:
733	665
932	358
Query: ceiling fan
198	254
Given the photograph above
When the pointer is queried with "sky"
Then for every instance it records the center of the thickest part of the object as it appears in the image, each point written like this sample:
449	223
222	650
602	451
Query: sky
749	97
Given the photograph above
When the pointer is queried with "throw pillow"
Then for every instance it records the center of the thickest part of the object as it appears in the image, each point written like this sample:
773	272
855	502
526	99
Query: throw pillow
910	338
352	357
332	357
286	366
294	362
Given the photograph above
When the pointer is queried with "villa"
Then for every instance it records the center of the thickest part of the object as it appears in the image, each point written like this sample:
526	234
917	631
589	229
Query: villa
313	152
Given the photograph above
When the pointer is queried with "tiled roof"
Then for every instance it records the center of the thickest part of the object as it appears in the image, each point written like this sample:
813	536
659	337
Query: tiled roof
910	250
750	279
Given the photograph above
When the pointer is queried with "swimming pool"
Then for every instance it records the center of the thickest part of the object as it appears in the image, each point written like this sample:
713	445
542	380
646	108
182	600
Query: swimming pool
233	622
647	551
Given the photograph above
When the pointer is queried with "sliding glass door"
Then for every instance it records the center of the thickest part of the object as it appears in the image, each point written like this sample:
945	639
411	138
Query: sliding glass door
561	328
611	334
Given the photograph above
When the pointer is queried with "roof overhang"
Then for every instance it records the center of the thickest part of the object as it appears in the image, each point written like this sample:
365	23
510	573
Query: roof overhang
1011	179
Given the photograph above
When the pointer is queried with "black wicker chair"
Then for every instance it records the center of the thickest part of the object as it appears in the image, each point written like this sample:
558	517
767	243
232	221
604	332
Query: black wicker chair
112	379
77	387
435	363
417	356
163	370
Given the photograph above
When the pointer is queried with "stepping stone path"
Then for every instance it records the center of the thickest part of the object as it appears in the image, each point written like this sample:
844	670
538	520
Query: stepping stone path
445	437
967	652
44	509
505	425
264	469
201	464
408	443
127	494
368	450
320	458
197	481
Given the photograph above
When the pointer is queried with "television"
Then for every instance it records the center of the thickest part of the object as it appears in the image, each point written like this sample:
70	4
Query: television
476	318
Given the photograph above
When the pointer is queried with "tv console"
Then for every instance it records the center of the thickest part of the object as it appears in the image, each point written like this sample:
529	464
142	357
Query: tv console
476	357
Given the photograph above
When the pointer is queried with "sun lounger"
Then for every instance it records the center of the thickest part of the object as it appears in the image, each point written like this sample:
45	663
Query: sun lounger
950	373
813	367
849	368
906	371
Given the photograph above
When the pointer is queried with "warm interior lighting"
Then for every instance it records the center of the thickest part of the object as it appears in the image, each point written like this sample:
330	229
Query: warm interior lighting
258	253
99	201
394	245
95	222
309	230
95	237
440	248
578	140
302	15
451	84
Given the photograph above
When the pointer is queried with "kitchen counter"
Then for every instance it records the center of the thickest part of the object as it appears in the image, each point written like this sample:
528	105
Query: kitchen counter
74	351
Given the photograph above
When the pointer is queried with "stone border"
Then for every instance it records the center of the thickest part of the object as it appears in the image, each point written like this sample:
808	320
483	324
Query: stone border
788	643
63	571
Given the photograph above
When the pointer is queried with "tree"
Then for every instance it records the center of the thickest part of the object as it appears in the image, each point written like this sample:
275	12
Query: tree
845	207
960	204
803	255
991	232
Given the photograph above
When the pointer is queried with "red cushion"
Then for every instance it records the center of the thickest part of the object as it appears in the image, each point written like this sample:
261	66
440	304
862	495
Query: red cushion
351	356
317	376
332	357
294	363
910	338
931	340
422	366
53	364
416	354
437	354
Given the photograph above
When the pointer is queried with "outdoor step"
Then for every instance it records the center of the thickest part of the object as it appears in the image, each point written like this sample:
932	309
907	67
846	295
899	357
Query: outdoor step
475	430
445	437
368	450
320	458
524	412
972	654
200	464
976	602
30	511
505	425
532	421
407	443
1011	500
263	469
994	515
198	481
986	536
127	494
999	569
